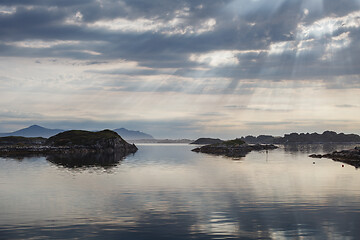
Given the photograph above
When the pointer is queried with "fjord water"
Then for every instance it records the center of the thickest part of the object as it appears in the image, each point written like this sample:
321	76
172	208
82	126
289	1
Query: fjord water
169	192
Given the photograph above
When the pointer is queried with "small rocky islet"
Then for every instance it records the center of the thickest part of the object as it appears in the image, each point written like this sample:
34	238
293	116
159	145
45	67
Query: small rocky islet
106	141
206	141
233	148
350	156
74	145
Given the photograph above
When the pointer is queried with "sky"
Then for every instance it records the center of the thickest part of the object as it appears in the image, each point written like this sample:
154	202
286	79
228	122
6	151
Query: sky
182	68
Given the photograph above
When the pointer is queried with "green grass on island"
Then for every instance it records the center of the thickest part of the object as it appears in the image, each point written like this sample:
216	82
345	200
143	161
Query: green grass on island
230	143
236	141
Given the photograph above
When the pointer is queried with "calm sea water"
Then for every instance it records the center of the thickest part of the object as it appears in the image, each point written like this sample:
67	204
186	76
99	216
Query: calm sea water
169	192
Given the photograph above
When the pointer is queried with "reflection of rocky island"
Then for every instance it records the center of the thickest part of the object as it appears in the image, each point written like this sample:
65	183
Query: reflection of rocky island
85	159
351	156
74	147
232	148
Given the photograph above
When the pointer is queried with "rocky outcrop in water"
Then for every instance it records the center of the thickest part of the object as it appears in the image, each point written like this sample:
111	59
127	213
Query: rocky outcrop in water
202	141
232	148
351	156
85	141
72	143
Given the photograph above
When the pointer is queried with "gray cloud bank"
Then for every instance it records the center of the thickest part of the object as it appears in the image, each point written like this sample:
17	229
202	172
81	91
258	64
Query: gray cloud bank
284	39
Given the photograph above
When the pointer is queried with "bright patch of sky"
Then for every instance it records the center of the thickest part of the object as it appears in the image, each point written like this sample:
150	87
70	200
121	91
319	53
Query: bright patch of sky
172	27
217	58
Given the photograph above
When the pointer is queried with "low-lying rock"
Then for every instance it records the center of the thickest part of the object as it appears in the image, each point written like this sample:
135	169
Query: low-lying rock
351	156
316	155
21	141
232	148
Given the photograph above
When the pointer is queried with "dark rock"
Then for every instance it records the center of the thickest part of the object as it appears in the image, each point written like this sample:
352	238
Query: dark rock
202	141
103	141
232	148
21	141
351	156
325	137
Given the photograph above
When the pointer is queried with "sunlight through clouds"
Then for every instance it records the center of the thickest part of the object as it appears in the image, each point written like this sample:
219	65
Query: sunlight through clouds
216	58
328	25
172	27
282	65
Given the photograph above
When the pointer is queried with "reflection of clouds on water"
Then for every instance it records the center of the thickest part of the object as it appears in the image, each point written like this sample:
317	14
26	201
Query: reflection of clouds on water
169	192
269	221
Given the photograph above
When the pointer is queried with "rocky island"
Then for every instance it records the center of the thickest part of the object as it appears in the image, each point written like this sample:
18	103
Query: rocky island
106	141
203	141
351	156
304	138
232	148
69	146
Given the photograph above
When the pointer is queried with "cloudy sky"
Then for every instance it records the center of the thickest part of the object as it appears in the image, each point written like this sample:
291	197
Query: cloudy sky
185	68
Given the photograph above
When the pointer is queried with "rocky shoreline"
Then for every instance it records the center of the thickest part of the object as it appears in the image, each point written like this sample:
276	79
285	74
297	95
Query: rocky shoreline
233	148
350	156
39	150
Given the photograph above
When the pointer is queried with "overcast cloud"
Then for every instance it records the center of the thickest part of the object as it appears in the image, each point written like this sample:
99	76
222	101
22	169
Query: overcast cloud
143	63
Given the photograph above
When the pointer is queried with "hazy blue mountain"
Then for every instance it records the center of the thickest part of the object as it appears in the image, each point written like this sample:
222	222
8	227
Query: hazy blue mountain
33	131
132	135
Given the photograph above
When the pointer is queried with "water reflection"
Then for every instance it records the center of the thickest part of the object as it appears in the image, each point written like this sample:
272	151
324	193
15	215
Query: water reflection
77	160
236	221
169	192
317	148
81	160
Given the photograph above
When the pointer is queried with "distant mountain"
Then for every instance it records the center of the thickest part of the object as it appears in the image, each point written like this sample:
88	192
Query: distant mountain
33	131
132	135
